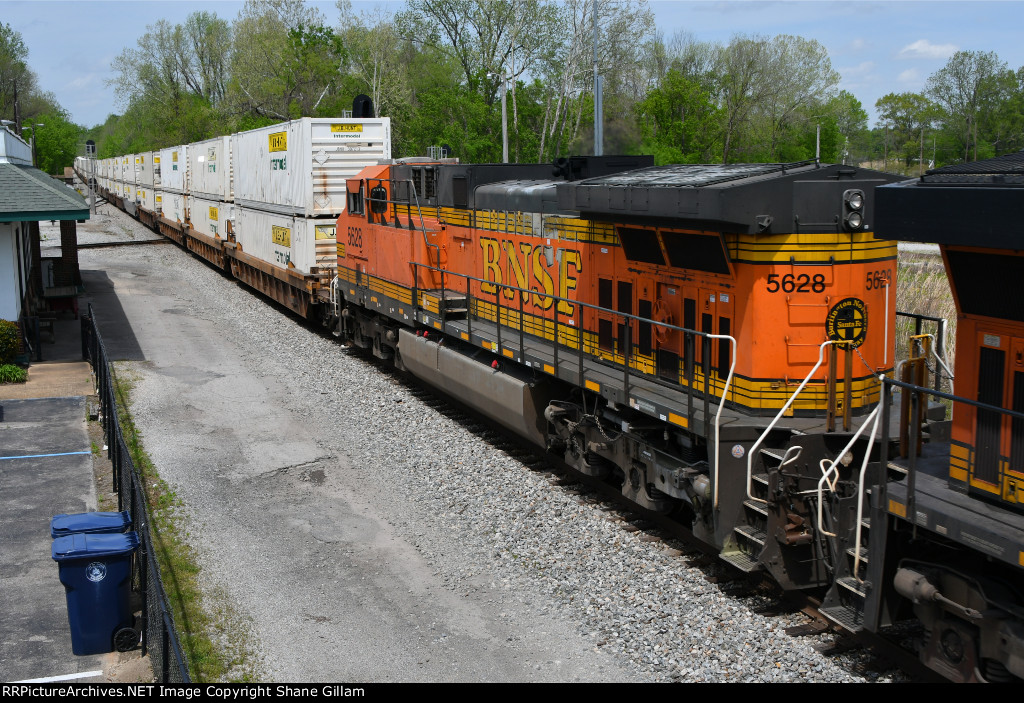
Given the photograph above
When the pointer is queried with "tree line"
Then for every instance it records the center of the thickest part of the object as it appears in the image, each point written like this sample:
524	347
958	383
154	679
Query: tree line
439	69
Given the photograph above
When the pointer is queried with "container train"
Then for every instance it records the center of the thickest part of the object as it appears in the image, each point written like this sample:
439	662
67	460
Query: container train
715	340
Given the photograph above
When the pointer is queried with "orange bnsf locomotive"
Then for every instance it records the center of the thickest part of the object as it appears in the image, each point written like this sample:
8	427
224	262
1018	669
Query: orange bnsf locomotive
955	549
709	338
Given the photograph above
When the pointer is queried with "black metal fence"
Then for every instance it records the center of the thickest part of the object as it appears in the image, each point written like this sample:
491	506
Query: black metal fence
159	636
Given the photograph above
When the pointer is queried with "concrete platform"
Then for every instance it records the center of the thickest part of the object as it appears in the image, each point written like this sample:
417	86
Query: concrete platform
63	374
45	469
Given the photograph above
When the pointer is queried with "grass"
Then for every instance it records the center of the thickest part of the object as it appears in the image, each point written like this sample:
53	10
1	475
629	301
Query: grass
214	644
923	288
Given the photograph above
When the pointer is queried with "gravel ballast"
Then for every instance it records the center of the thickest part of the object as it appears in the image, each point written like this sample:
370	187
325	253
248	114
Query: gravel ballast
353	531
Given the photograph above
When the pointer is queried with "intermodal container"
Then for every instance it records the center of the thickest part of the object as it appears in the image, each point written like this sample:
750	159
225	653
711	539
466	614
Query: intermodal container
299	167
172	169
209	217
209	169
286	241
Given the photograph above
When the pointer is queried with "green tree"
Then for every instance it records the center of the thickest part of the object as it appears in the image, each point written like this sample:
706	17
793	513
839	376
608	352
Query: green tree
966	88
285	61
173	83
679	121
57	141
852	126
17	81
907	117
1003	126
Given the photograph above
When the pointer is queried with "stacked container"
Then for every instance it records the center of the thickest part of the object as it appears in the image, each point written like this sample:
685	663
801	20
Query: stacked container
170	195
290	185
144	177
209	185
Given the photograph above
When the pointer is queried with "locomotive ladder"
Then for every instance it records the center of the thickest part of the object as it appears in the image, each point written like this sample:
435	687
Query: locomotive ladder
747	545
848	601
446	304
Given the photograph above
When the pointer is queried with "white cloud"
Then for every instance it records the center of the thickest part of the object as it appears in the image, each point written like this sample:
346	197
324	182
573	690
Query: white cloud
861	69
85	81
911	75
924	49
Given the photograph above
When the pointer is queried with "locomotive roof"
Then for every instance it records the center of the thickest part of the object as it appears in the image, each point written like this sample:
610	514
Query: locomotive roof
522	196
747	198
508	186
978	204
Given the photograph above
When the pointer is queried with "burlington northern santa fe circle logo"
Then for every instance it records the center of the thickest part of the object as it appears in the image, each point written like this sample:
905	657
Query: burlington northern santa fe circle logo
847	321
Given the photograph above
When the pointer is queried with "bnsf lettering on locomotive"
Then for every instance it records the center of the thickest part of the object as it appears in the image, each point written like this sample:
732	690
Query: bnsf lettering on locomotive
530	260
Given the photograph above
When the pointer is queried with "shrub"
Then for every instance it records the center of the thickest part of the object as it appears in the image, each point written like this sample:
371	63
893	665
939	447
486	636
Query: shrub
8	341
9	373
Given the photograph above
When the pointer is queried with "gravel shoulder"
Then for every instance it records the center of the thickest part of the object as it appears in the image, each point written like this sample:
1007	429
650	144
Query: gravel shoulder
352	532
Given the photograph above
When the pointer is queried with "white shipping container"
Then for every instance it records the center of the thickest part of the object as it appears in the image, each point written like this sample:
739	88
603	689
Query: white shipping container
209	217
128	169
281	240
144	169
172	169
145	196
172	205
300	167
209	169
156	168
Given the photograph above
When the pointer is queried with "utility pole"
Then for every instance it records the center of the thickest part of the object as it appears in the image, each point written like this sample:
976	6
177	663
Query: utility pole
504	112
504	116
598	98
90	152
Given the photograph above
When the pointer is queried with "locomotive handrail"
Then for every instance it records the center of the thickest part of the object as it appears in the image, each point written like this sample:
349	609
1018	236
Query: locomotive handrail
627	316
721	404
582	304
414	196
939	347
955	398
872	418
860	495
938	358
775	420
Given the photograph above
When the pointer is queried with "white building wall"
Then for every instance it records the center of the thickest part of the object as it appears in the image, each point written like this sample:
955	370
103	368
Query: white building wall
10	284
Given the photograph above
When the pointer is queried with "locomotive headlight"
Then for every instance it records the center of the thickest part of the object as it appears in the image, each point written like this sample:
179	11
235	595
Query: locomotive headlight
853	210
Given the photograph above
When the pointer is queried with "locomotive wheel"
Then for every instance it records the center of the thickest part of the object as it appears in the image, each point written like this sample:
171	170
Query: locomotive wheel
126	639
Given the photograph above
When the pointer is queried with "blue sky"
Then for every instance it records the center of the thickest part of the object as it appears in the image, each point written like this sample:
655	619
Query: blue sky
877	47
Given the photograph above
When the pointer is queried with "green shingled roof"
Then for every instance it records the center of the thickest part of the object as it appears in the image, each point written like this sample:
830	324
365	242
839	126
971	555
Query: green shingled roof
28	194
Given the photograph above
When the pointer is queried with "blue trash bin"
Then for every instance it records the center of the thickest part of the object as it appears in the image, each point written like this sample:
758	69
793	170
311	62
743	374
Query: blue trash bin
96	570
89	523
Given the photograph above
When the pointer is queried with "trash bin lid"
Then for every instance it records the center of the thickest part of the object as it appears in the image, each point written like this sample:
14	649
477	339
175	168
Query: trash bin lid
90	546
66	524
